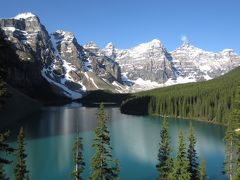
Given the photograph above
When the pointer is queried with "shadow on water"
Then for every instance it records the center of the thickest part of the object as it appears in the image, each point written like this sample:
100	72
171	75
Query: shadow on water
50	121
57	120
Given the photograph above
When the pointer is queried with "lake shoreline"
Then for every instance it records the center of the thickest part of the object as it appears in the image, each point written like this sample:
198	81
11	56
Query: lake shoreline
190	118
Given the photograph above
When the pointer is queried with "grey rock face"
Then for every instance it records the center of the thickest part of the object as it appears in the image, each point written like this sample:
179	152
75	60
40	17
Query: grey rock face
203	65
148	61
68	48
79	61
104	66
58	59
30	41
151	61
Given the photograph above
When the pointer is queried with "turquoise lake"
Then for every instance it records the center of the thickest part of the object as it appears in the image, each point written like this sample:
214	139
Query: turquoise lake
135	141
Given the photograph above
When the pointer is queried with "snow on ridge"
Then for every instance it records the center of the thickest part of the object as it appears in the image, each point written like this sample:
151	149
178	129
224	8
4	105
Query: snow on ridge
64	36
91	45
60	31
180	80
109	45
69	93
138	47
205	68
116	84
68	67
189	48
24	15
227	50
9	28
92	80
140	84
147	45
147	83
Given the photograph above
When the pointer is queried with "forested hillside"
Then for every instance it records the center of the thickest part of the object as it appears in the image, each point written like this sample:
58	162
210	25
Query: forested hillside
210	100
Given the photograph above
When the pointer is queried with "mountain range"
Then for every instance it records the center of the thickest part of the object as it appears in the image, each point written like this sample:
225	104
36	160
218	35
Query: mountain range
72	70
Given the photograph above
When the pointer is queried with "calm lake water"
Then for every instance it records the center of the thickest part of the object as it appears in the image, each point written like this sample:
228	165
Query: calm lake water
50	136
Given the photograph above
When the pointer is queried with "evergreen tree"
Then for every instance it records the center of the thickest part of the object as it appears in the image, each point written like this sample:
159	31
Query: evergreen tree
3	92
192	154
3	176
230	149
237	176
20	171
232	138
165	161
3	85
103	164
4	149
181	164
237	130
203	175
3	88
78	159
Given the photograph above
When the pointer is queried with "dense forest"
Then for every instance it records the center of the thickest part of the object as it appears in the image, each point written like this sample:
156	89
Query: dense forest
210	100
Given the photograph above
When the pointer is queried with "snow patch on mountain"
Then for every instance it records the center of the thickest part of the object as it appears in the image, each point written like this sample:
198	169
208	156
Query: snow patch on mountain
92	80
68	67
9	29
69	93
146	83
179	80
24	15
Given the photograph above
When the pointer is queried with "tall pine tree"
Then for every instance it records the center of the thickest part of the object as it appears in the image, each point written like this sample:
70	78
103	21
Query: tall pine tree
232	138
4	149
202	171
237	176
237	129
165	161
20	171
181	164
192	154
78	159
103	164
3	88
3	91
3	175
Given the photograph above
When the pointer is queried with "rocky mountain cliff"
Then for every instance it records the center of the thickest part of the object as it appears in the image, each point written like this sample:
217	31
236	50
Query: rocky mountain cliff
58	62
23	53
57	58
150	65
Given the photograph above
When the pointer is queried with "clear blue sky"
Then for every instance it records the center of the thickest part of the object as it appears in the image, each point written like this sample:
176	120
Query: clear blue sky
209	24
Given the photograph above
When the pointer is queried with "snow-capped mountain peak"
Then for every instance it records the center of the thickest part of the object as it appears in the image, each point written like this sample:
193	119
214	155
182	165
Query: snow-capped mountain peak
25	15
155	43
186	46
64	36
110	50
228	52
109	46
61	32
91	46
